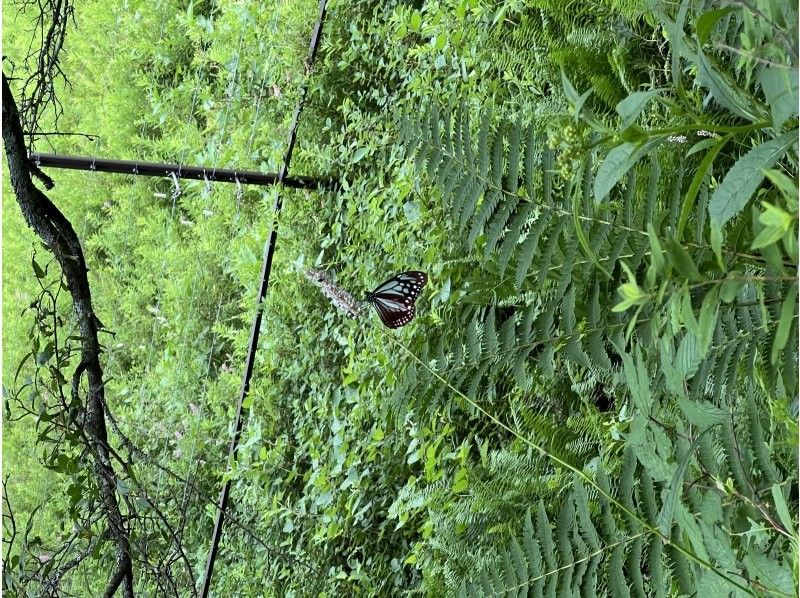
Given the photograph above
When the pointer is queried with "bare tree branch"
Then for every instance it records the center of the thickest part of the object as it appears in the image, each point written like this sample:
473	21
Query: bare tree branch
58	235
44	63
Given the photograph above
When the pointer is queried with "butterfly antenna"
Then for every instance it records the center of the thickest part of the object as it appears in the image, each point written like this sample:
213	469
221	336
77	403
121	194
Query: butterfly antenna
340	298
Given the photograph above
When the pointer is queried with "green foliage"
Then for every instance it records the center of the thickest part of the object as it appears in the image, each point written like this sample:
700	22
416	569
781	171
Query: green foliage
607	215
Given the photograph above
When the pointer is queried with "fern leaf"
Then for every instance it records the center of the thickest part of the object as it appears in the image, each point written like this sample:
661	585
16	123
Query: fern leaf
487	208
512	236
497	226
526	252
470	202
490	335
531	157
483	146
756	434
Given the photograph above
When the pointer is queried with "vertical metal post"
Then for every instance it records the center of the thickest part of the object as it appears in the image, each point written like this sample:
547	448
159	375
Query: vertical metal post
269	252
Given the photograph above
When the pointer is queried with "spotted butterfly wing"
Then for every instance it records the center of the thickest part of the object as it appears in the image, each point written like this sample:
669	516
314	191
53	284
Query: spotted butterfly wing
394	299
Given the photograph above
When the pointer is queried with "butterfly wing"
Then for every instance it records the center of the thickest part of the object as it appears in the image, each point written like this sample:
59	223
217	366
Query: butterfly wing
394	299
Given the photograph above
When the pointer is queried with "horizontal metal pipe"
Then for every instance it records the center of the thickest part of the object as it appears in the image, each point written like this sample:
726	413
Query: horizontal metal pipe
218	175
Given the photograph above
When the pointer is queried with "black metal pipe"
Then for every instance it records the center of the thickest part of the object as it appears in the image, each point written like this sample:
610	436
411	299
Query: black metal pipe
255	328
218	175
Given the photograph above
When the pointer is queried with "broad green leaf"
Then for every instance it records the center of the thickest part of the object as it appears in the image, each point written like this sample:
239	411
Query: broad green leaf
616	164
416	20
786	185
672	375
37	269
681	260
687	311
771	253
768	236
775	216
703	170
716	243
780	86
569	89
576	218
776	223
745	176
577	101
701	145
359	154
656	252
634	134
22	363
43	357
461	482
689	356
788	311
731	286
707	21
708	318
630	108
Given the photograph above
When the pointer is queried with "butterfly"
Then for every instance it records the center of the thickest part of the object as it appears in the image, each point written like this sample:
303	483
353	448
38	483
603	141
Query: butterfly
394	299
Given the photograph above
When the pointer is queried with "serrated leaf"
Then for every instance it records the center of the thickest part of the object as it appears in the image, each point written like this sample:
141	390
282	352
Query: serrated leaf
702	414
725	90
688	356
782	509
745	176
770	573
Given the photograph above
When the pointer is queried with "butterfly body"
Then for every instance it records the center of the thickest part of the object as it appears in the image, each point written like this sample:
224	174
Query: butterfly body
394	299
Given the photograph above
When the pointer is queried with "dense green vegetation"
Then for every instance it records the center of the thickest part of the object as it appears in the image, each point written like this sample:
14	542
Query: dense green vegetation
598	395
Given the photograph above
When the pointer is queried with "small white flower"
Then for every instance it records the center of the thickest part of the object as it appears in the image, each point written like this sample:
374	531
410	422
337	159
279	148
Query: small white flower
677	138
